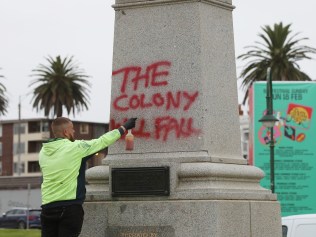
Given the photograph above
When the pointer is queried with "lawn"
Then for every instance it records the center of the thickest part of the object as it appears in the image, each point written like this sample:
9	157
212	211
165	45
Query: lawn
20	233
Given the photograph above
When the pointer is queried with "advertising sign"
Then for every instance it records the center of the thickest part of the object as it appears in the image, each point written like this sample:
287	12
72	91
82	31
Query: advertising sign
294	104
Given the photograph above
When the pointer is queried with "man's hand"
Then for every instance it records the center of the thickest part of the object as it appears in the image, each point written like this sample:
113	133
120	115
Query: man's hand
130	123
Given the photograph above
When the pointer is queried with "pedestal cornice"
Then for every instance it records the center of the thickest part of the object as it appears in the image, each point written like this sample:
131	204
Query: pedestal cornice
126	4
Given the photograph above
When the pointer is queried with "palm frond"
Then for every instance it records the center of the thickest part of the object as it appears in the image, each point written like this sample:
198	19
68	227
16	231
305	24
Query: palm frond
60	84
279	50
3	98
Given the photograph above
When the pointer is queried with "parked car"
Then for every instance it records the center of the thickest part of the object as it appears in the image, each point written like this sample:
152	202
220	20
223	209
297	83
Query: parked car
21	217
299	226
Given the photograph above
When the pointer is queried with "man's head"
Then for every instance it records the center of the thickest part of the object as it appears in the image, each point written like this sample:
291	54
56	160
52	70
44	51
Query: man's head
63	128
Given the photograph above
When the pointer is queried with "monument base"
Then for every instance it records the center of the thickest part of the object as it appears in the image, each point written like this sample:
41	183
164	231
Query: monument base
182	218
206	200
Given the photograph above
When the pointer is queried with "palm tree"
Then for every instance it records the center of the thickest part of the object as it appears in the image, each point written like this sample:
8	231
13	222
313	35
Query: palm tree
280	51
60	84
3	98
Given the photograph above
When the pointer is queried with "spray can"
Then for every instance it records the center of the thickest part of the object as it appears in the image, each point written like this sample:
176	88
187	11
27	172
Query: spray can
129	141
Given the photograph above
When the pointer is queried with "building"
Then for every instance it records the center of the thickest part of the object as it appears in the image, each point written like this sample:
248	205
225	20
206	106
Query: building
34	131
21	141
24	190
244	131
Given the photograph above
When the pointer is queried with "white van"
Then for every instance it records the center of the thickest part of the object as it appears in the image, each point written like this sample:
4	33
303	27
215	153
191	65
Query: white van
299	226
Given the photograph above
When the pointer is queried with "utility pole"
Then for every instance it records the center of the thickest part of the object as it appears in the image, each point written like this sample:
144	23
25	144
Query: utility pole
28	206
19	138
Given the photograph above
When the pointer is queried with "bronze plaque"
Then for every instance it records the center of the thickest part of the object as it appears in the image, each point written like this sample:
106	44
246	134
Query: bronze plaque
140	181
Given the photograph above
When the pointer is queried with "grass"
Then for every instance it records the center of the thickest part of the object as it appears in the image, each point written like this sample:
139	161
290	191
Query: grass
20	233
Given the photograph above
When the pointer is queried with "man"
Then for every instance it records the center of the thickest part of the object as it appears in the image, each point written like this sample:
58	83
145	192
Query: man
62	161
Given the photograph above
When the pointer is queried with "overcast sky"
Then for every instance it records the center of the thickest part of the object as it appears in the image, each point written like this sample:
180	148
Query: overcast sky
33	29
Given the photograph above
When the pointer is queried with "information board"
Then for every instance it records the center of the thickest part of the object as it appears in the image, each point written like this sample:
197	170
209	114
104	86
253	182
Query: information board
294	105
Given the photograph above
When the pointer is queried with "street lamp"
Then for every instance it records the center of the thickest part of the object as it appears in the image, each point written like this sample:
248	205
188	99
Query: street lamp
268	120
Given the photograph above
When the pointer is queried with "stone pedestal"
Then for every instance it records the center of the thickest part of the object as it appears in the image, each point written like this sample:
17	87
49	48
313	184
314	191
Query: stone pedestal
174	69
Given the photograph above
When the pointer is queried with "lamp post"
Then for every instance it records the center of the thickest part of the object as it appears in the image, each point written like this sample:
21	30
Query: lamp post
268	120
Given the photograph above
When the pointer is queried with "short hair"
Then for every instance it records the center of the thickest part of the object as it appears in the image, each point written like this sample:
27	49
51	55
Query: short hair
58	125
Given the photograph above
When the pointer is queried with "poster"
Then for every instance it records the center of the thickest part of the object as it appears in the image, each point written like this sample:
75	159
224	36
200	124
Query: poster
294	104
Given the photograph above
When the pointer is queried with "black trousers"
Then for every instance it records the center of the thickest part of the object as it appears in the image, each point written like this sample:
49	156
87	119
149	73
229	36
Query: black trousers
62	221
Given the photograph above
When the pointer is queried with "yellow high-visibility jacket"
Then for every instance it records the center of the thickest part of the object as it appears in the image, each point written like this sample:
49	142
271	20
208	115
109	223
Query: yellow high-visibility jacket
62	164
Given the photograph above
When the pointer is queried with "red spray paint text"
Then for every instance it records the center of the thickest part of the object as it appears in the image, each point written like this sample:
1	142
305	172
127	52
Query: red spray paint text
163	127
169	100
154	75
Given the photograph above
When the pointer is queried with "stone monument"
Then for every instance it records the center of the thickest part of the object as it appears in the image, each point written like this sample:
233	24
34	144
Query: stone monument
174	69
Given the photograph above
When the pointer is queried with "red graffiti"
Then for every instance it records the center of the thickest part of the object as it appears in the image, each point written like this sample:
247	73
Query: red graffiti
163	128
150	77
182	128
169	100
134	80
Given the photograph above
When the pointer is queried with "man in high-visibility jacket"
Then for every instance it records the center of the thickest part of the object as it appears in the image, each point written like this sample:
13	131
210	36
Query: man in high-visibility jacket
62	162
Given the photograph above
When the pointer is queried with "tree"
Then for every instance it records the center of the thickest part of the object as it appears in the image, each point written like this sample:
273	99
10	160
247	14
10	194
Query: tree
60	84
280	51
3	98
